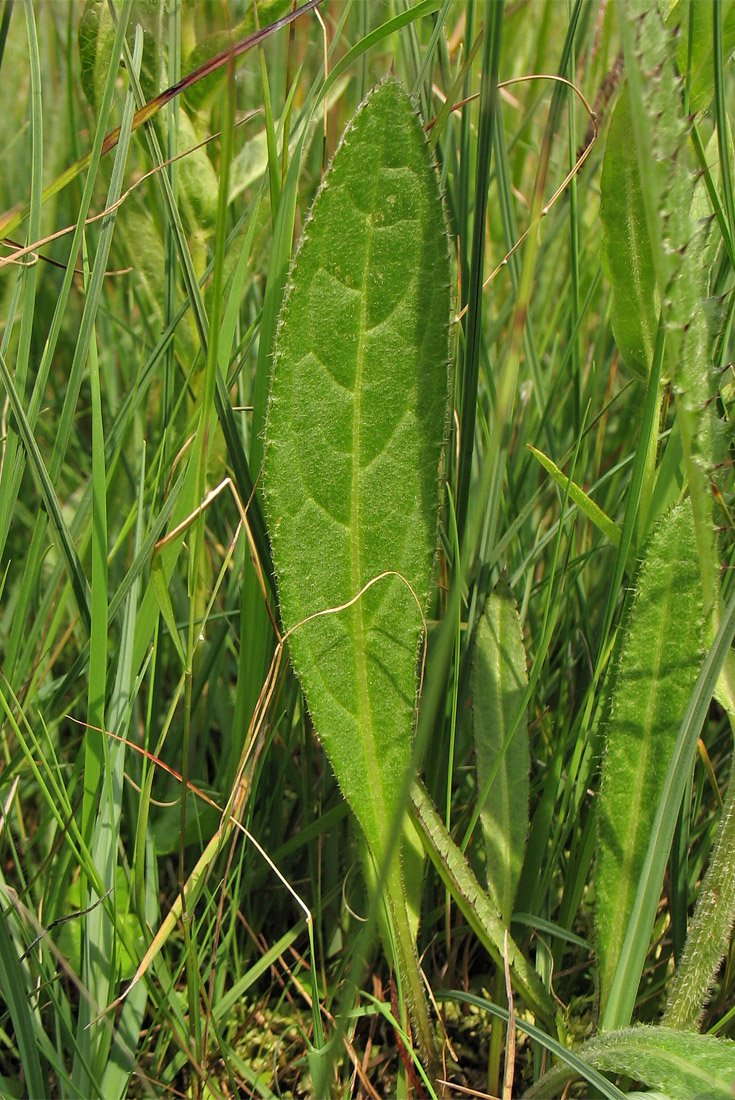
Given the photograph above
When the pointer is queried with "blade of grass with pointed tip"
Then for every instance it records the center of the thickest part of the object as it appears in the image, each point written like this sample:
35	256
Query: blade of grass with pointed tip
15	996
593	512
78	580
99	939
355	427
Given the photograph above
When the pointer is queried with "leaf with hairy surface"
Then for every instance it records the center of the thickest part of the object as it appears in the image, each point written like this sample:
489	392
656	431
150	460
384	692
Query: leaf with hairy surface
356	422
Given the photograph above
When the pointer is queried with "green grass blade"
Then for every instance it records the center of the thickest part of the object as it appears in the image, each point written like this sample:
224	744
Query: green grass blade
230	429
116	1074
721	51
12	471
98	828
80	585
30	274
12	982
587	506
466	399
605	1088
379	35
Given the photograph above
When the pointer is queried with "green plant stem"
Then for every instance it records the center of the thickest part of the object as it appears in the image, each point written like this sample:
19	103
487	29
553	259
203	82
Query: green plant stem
472	901
410	971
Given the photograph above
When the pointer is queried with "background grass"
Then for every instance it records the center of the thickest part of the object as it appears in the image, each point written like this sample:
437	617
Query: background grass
135	357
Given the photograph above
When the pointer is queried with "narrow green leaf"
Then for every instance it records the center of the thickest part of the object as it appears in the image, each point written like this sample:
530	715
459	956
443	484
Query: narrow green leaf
653	681
679	1063
588	507
79	583
499	681
627	257
604	1088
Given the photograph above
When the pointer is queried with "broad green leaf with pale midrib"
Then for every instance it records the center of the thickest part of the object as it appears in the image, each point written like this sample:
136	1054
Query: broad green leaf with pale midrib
355	427
499	682
656	671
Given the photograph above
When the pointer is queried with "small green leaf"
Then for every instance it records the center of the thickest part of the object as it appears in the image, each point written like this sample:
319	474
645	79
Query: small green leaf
656	671
499	682
627	257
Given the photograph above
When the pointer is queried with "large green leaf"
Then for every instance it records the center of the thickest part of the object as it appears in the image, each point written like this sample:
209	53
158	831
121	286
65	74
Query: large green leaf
356	421
499	682
657	668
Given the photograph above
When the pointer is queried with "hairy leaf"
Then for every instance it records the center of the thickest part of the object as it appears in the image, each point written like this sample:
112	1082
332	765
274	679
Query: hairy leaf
355	428
499	681
681	1064
656	671
626	248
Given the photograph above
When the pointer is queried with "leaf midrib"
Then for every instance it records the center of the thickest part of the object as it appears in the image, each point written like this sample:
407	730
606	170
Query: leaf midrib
364	716
655	681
